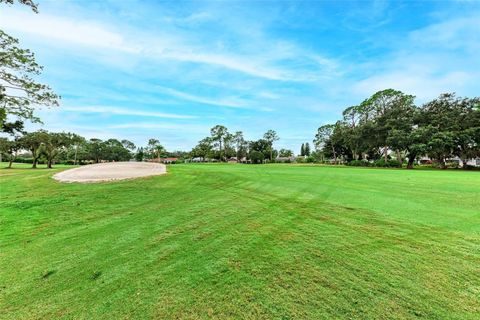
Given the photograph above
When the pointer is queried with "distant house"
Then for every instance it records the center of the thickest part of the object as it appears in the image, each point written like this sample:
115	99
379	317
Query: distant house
168	160
471	162
425	160
285	159
244	160
474	162
233	160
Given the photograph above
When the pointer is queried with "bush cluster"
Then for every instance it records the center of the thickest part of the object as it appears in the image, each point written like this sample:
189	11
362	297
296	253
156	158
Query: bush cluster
381	163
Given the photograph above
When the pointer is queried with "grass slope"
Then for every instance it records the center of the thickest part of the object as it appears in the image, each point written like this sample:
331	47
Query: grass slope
242	241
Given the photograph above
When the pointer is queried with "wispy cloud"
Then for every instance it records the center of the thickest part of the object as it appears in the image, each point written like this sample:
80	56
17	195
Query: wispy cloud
125	112
165	46
168	126
69	31
222	102
441	57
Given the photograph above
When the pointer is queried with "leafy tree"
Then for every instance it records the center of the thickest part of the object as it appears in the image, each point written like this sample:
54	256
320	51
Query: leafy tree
352	117
323	139
203	149
336	146
15	128
52	145
229	146
139	156
155	148
451	127
271	136
302	150
220	135
285	153
385	105
10	148
76	142
29	3
413	140
240	143
262	146
114	150
467	134
306	149
19	92
34	142
128	145
95	149
256	156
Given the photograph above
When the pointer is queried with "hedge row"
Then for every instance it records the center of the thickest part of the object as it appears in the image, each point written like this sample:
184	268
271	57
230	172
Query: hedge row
381	163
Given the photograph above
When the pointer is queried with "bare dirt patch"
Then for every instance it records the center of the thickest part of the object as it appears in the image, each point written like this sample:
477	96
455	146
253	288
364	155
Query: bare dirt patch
111	171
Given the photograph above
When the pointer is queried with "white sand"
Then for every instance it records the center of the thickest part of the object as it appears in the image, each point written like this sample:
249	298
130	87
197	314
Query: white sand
111	171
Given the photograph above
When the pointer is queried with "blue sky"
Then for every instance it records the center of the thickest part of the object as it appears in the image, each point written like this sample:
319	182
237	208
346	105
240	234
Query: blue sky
172	70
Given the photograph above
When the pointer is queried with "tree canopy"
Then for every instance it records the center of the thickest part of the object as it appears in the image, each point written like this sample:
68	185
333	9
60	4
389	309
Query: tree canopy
390	125
20	93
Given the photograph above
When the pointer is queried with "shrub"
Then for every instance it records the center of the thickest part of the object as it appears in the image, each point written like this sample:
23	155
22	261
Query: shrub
68	162
310	159
359	163
256	157
453	164
388	164
23	160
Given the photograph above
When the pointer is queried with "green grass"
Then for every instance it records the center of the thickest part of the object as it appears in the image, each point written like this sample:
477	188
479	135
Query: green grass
242	241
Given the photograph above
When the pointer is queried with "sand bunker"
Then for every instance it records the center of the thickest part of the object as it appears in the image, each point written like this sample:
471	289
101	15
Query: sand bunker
111	171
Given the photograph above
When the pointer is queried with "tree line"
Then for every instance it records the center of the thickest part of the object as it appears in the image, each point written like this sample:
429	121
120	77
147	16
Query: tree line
389	125
222	145
70	148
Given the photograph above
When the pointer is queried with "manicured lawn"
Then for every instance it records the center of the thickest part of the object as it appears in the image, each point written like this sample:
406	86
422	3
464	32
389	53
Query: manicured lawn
242	241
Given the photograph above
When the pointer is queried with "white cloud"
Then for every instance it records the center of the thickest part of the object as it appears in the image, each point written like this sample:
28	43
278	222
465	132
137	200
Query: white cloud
230	62
232	102
423	85
459	33
442	57
126	112
70	31
257	62
190	128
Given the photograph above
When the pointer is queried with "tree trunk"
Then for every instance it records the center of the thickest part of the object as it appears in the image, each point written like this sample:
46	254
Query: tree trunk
221	157
34	160
334	156
385	153
399	158
10	163
75	158
465	166
443	164
411	160
49	164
